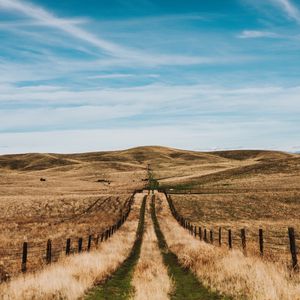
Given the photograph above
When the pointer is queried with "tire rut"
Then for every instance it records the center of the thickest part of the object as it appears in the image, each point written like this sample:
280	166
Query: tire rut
187	286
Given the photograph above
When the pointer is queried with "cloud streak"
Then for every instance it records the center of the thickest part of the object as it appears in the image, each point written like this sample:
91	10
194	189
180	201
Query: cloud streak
46	108
49	19
211	135
289	8
163	77
115	50
253	34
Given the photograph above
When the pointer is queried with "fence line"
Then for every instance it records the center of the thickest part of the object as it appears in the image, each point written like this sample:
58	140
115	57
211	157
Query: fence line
202	234
50	252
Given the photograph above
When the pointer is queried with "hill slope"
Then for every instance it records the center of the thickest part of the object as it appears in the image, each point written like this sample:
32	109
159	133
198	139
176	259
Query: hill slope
154	155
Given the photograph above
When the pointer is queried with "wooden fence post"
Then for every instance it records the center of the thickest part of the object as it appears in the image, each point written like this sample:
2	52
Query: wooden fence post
79	245
200	233
211	236
293	248
261	242
24	258
195	231
243	238
68	246
205	235
97	240
229	239
48	252
89	243
220	236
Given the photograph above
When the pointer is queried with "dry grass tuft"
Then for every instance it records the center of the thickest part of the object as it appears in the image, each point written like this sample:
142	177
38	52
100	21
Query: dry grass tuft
229	272
150	279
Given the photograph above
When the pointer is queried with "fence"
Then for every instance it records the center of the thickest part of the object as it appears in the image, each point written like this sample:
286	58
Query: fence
208	235
54	250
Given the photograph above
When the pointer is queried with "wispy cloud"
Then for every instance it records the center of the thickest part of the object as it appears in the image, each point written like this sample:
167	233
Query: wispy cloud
33	23
160	78
46	108
198	136
49	19
122	75
252	34
111	76
289	8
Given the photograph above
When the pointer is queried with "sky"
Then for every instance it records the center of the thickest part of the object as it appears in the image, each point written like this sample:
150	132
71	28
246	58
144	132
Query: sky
93	75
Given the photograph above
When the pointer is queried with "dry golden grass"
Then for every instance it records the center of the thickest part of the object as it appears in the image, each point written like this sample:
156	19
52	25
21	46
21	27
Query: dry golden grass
71	277
229	272
150	278
82	195
239	189
251	212
85	193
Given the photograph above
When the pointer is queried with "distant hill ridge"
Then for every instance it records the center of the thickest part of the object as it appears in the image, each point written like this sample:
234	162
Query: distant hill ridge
138	155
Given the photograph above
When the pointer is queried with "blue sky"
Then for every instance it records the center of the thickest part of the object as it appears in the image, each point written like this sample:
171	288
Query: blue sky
98	75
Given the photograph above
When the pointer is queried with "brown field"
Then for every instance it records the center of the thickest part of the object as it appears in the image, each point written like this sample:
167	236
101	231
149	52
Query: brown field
239	189
231	273
74	277
85	193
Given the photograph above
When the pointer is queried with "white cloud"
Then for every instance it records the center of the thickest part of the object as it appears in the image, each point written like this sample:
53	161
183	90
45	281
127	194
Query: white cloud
159	94
115	50
200	136
63	117
45	108
49	19
289	8
122	75
250	34
33	23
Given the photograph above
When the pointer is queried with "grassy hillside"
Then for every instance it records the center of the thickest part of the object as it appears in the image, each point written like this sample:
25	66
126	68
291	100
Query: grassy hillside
249	187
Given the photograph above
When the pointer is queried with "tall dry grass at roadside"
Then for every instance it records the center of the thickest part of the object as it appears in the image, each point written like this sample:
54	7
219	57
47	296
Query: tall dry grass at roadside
229	272
71	277
150	279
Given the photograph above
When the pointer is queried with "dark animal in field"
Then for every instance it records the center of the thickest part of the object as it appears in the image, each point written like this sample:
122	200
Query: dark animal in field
103	181
42	179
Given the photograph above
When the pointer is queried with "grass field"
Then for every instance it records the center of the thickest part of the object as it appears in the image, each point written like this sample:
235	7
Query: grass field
83	194
239	189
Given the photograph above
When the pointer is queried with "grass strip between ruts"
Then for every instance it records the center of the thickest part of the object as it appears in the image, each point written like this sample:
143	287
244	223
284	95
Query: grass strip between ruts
118	286
187	286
